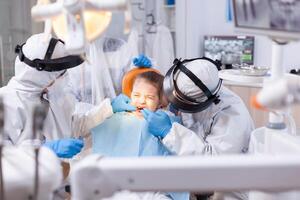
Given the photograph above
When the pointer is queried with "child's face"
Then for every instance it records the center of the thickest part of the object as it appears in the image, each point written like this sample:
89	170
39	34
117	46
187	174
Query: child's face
144	95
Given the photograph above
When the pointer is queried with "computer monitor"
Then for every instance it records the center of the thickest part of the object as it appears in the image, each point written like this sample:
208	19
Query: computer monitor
275	18
230	49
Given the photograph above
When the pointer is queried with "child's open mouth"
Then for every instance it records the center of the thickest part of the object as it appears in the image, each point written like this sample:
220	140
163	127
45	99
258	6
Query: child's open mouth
138	109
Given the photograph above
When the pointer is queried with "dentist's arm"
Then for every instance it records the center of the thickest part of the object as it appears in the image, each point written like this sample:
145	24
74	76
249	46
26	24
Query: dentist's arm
83	122
226	136
177	138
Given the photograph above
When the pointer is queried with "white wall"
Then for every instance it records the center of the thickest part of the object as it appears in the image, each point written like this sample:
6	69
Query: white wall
208	17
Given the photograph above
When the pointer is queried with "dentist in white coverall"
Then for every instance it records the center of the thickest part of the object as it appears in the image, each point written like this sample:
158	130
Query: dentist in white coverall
32	85
222	127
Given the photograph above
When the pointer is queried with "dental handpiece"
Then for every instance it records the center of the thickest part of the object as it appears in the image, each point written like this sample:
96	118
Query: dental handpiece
39	115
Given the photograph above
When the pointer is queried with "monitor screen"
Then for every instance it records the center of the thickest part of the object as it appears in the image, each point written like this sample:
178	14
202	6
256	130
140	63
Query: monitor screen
276	18
230	49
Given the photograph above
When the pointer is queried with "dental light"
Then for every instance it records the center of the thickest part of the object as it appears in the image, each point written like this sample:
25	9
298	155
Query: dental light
77	21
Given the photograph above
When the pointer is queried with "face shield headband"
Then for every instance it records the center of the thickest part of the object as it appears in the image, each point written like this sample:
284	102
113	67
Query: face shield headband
182	102
48	64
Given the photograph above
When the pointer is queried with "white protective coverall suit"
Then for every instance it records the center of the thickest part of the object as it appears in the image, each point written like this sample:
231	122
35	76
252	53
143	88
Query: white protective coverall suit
24	91
222	128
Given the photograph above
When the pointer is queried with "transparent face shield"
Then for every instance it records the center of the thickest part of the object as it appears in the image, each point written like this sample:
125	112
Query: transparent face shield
100	77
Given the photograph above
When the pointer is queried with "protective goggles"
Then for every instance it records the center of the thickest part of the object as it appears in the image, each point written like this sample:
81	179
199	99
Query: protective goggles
182	102
48	64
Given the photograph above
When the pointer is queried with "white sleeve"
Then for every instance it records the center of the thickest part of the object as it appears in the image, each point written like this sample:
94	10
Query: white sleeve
82	123
183	141
229	134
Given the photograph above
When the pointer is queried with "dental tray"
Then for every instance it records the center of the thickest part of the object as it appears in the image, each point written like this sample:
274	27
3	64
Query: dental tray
251	70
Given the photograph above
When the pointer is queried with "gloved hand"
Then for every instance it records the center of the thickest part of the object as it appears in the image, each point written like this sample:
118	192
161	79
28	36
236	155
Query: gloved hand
65	148
175	118
159	123
122	103
142	61
173	109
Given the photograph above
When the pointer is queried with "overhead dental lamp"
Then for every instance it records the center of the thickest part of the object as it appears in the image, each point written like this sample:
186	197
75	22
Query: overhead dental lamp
95	23
77	21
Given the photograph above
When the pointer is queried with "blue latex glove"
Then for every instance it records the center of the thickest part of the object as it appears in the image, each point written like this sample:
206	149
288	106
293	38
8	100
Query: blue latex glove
142	61
175	119
65	148
173	109
122	103
159	123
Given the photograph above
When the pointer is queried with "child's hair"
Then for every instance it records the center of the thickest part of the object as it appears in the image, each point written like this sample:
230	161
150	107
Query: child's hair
154	79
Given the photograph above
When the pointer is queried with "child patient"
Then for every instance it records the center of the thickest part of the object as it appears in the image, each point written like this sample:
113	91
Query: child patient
147	92
126	134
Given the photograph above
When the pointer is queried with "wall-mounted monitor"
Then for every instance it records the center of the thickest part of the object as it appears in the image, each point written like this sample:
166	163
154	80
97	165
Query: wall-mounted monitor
275	18
230	49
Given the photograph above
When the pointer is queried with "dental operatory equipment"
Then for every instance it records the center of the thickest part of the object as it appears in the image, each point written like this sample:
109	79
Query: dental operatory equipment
274	170
287	93
19	165
281	28
201	174
277	96
30	171
39	115
78	21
